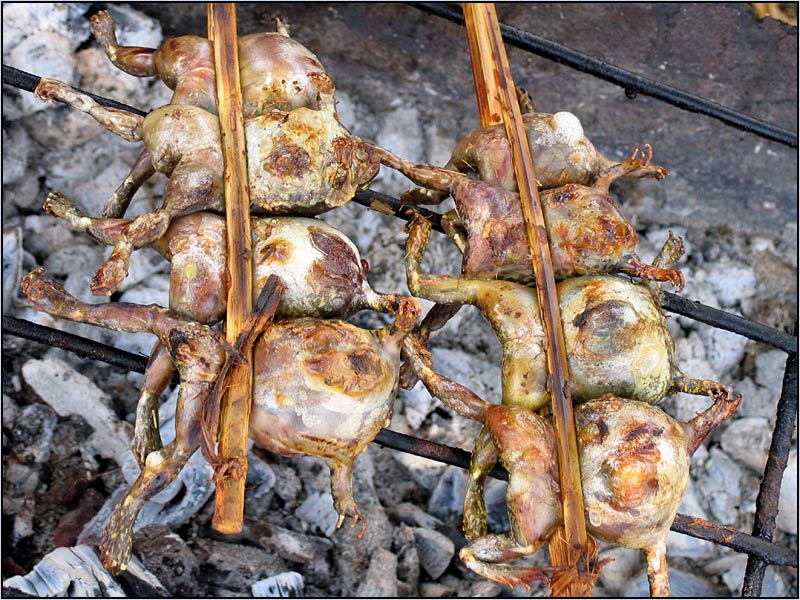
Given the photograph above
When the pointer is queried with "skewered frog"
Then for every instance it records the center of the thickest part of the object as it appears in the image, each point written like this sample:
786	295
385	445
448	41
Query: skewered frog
324	275
321	387
561	154
634	462
586	229
616	335
300	162
275	73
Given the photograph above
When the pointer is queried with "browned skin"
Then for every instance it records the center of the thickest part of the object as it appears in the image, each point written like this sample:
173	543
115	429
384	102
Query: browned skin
615	331
275	73
559	159
587	232
334	284
321	387
634	469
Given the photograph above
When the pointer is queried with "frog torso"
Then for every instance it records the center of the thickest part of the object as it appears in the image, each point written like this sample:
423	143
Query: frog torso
587	232
302	162
321	387
634	470
278	73
321	268
617	337
561	153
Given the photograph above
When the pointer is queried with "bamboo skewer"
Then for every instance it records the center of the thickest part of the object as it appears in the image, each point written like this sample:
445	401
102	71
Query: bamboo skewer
494	85
235	410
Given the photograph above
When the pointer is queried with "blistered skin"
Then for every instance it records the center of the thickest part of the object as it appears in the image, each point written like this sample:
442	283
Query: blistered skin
304	162
322	270
616	335
587	232
275	72
634	462
321	387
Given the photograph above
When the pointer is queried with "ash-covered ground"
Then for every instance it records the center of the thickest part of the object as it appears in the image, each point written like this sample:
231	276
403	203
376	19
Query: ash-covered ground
403	80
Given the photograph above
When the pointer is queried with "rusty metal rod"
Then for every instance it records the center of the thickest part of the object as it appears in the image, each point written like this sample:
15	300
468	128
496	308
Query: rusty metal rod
632	83
769	492
692	526
388	205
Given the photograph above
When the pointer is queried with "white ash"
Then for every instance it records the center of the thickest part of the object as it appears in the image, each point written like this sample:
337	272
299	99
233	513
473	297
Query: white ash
69	152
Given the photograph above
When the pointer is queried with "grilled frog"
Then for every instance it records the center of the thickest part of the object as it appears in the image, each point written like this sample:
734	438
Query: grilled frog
634	461
321	387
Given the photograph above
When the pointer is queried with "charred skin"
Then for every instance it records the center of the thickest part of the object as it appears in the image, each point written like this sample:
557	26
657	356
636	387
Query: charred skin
304	162
321	387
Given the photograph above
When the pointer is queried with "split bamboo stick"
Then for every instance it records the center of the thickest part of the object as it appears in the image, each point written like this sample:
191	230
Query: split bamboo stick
235	410
495	86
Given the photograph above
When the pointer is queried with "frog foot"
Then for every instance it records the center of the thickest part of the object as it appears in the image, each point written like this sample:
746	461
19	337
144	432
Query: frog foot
357	516
110	276
117	541
104	30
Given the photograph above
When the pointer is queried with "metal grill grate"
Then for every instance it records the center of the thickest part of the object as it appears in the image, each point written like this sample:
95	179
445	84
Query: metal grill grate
759	546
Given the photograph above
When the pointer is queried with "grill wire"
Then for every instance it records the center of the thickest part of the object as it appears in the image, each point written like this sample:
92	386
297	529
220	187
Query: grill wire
759	546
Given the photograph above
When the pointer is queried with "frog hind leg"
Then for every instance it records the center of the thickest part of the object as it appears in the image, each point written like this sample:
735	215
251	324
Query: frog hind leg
489	556
157	375
119	201
342	492
657	574
133	60
160	468
484	457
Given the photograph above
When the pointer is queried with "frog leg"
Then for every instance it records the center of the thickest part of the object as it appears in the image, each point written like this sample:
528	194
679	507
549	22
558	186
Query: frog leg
723	408
198	353
633	265
133	60
485	455
444	289
437	317
635	167
525	100
119	201
488	557
195	185
160	468
342	492
121	122
657	574
107	231
454	228
434	178
670	252
157	375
